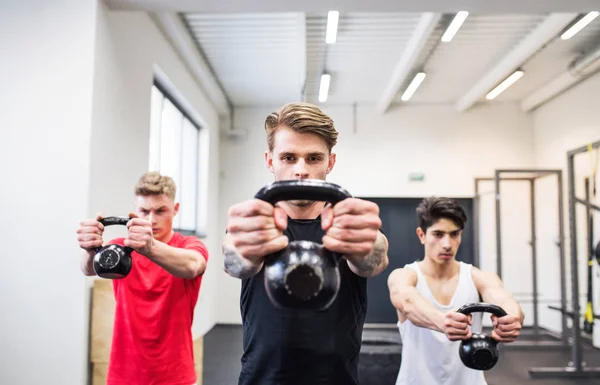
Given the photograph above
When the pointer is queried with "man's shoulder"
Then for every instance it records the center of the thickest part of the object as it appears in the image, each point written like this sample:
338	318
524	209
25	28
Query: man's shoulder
403	275
189	242
183	239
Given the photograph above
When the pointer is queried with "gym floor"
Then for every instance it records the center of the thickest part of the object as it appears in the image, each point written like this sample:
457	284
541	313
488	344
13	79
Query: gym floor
223	349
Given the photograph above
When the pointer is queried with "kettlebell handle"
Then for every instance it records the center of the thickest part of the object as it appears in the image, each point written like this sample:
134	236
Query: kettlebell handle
316	189
112	221
482	307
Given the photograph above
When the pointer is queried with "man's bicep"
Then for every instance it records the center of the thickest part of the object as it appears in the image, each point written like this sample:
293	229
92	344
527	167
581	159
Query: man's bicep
198	246
401	279
489	285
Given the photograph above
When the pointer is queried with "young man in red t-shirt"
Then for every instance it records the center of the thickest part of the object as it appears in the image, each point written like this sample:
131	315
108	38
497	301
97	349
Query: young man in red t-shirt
152	337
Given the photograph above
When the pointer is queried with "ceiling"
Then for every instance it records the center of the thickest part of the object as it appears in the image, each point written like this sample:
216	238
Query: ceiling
276	53
263	59
345	6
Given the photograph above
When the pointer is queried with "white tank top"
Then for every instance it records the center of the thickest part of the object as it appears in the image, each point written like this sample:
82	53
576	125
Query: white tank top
428	357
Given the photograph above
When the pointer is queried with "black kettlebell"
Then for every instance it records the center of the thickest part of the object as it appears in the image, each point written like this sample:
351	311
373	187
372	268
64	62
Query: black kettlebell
480	352
598	252
113	261
304	275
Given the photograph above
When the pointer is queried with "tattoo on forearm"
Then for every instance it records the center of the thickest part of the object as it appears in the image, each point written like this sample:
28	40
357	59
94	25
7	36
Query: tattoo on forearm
235	265
373	260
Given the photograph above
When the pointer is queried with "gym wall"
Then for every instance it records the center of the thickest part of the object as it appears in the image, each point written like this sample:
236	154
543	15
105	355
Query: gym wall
75	109
377	152
45	105
570	121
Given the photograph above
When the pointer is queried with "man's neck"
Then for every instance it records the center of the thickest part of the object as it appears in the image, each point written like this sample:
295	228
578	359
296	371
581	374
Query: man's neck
440	271
311	211
167	238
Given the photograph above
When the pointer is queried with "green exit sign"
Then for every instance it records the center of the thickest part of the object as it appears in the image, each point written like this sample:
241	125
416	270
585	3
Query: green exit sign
416	177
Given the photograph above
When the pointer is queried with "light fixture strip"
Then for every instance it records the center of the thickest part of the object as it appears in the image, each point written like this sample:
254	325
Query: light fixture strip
413	86
333	18
454	26
509	81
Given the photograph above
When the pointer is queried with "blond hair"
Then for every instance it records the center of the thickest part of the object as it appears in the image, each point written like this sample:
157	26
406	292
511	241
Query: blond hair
303	118
153	183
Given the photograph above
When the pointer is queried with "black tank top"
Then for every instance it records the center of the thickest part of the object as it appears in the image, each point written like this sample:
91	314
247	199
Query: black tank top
289	347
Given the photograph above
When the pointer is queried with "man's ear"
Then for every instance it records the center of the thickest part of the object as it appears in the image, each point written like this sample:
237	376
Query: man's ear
421	235
269	161
176	208
331	163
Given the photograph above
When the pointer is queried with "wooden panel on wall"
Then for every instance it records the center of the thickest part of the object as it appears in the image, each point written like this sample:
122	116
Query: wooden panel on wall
103	315
99	374
199	358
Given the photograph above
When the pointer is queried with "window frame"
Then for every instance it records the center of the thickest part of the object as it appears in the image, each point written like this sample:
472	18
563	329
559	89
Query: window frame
200	233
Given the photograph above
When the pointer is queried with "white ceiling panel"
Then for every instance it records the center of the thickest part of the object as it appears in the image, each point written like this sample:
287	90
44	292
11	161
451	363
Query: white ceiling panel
362	59
553	60
258	58
455	66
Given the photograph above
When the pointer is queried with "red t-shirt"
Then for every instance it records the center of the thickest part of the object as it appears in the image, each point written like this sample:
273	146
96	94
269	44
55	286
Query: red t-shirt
152	333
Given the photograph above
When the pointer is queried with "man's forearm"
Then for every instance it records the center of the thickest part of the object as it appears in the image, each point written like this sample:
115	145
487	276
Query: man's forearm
87	263
375	262
501	298
511	306
182	263
236	265
418	311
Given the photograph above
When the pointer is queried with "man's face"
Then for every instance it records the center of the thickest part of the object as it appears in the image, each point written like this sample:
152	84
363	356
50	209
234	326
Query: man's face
441	241
299	156
160	210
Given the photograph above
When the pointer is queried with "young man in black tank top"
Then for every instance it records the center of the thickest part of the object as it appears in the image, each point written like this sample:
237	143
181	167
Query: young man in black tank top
285	346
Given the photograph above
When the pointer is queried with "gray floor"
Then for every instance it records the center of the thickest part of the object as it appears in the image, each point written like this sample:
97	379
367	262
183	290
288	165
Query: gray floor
222	353
223	348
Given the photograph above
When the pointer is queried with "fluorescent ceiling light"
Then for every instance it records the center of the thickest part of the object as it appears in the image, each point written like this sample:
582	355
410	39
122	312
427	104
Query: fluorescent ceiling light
581	24
509	81
453	28
412	87
324	87
333	18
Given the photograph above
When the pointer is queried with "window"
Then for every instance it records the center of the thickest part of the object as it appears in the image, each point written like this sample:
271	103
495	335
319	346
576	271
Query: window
174	144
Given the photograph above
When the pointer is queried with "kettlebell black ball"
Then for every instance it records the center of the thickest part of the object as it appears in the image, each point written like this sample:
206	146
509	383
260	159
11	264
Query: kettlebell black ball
113	262
480	352
304	275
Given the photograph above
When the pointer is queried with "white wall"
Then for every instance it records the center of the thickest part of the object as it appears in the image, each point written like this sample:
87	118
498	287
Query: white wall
75	113
377	152
129	46
570	121
45	109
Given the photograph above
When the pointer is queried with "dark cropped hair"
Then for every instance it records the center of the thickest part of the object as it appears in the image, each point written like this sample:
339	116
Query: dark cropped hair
433	209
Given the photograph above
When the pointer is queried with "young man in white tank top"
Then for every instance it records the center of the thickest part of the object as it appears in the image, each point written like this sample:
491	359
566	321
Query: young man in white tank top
427	293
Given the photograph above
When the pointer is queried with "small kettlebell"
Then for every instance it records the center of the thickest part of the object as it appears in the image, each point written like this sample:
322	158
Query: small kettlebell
113	261
304	275
480	352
